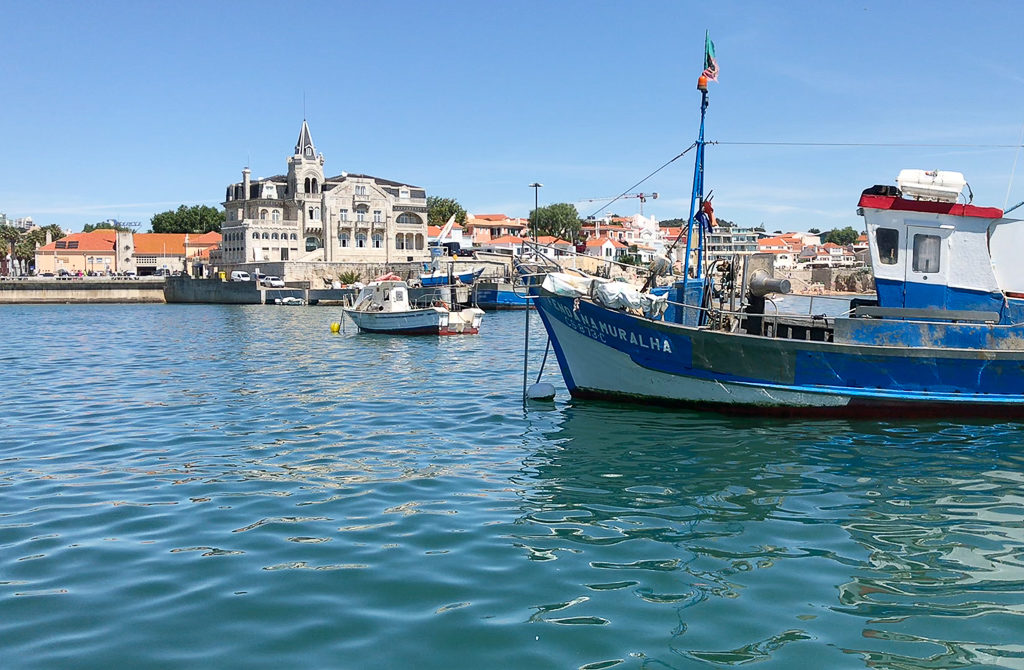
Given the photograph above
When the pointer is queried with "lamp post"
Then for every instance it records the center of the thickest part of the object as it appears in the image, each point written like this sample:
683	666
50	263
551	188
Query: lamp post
536	186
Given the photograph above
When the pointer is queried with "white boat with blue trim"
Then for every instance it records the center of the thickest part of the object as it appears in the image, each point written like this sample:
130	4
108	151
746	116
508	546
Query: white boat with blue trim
944	336
384	306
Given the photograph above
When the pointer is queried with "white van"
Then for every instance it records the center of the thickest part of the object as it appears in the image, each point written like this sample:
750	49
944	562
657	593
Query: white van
238	275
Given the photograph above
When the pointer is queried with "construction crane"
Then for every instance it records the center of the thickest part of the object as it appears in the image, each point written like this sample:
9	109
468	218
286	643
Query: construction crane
641	196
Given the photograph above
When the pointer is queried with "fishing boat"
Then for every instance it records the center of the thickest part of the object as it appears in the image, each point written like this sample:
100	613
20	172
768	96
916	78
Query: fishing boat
499	294
943	336
469	276
383	306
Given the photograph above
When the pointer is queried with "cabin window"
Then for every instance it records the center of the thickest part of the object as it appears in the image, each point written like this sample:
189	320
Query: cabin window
399	296
888	240
926	253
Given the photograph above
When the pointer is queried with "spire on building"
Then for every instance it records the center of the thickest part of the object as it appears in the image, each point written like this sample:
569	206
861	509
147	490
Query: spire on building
304	147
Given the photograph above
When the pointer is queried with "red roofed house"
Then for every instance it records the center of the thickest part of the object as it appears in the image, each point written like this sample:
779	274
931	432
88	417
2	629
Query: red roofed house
482	228
605	247
506	244
110	251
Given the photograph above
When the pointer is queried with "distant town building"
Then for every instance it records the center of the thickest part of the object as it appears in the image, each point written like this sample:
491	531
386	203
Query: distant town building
108	251
726	239
305	216
483	228
22	224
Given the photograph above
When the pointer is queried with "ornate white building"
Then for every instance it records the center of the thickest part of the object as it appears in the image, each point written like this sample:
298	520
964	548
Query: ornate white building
304	216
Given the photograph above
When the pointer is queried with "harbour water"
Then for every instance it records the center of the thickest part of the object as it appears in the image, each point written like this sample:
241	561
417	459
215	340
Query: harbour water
236	487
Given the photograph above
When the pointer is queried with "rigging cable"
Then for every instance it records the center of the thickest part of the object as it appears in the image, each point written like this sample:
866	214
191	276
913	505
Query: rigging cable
869	144
643	180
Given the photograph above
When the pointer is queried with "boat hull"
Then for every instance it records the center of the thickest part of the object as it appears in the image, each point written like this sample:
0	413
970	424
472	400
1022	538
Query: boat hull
429	321
498	295
606	353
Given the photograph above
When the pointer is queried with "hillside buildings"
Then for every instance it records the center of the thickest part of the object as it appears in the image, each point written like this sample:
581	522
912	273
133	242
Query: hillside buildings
305	216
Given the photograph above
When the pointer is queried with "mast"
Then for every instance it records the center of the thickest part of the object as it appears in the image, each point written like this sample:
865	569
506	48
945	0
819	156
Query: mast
698	189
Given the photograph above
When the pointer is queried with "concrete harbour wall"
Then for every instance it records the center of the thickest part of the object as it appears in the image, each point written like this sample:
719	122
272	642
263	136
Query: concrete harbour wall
80	290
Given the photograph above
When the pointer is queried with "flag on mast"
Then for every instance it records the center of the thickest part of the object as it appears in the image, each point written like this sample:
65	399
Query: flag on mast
710	63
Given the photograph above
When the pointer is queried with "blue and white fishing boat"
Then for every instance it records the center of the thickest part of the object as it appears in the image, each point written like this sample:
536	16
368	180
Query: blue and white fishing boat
945	335
499	294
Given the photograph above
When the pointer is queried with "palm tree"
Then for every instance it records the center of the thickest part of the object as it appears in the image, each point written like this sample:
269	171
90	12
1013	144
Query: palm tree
9	236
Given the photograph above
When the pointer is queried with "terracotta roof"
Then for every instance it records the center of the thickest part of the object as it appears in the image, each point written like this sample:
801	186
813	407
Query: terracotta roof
204	238
599	241
160	243
506	239
98	240
490	217
551	240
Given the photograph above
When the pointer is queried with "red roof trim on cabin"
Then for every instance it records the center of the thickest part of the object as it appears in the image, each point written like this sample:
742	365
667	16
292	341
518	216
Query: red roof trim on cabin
953	209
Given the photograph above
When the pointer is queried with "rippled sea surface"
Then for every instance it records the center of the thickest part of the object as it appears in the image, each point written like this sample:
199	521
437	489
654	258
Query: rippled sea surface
236	487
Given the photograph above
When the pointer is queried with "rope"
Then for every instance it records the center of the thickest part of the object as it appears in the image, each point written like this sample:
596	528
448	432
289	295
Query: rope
543	361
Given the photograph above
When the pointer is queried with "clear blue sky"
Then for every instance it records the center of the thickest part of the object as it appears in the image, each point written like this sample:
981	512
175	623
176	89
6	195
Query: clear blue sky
124	109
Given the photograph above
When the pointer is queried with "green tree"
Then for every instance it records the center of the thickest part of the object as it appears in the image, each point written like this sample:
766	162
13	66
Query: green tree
439	210
104	225
561	220
194	219
842	237
813	231
9	237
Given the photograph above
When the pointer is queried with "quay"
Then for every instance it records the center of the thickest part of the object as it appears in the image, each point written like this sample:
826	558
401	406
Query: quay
49	290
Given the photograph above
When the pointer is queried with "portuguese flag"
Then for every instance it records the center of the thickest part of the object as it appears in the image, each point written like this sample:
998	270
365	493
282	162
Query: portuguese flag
710	64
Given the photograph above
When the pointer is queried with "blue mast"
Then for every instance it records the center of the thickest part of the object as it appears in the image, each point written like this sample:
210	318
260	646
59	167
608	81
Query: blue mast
690	291
697	194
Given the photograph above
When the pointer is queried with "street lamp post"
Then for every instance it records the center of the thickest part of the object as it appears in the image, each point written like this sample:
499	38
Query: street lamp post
536	186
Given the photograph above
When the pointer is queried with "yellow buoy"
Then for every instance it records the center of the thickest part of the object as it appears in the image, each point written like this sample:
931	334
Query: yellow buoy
335	327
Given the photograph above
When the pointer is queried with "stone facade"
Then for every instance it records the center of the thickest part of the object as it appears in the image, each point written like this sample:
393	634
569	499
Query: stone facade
306	217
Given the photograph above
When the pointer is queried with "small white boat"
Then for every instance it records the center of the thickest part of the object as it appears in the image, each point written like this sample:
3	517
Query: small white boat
290	300
383	307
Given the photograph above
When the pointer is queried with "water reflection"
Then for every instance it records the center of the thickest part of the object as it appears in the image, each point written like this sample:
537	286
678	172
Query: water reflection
759	534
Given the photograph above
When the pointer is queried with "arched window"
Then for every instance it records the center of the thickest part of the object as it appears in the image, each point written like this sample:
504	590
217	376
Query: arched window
400	241
266	236
273	236
361	240
419	242
307	186
294	236
408	217
316	213
344	239
316	189
275	215
263	215
378	240
312	243
255	236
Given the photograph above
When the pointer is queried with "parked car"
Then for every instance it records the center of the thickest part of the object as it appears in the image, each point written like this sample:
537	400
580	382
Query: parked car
273	282
239	275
